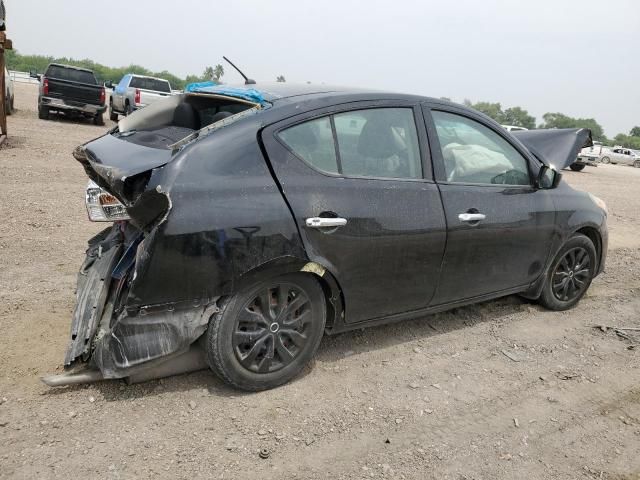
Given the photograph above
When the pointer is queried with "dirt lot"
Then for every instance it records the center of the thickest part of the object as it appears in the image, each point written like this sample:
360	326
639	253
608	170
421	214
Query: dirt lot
430	398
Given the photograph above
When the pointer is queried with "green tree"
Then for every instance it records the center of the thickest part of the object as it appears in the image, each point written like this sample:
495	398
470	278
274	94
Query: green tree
493	110
280	79
518	117
635	132
560	120
218	72
25	63
628	141
208	73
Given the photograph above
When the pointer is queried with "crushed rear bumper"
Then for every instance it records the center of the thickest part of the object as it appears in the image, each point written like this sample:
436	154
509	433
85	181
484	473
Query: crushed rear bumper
117	339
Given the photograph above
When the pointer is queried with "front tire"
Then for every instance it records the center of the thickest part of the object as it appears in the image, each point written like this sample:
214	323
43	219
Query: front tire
570	274
266	334
577	167
636	164
605	160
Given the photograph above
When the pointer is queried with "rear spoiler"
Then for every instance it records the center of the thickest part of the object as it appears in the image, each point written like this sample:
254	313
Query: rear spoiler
558	147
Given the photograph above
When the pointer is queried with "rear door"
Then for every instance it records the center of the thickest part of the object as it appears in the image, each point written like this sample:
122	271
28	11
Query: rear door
358	180
500	227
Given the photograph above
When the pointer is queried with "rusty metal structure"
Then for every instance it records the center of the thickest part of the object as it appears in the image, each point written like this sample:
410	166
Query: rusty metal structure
5	44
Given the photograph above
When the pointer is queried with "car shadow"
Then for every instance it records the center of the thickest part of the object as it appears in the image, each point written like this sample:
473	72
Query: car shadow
78	119
423	327
332	349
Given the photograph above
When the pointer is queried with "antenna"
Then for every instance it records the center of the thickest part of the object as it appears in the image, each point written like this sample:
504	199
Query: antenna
247	80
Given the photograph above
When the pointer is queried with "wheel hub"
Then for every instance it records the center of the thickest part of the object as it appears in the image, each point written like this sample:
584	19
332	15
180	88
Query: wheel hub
272	329
571	275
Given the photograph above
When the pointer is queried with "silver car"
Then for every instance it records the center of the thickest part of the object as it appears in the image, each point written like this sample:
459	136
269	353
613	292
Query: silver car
134	92
621	155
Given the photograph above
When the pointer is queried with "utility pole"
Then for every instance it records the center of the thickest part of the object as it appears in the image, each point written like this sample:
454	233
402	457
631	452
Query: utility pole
5	44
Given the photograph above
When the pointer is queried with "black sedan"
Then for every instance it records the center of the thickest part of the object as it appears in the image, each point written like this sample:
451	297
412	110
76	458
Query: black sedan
248	221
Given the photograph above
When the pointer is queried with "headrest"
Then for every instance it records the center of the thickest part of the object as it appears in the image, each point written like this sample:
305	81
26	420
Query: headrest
186	116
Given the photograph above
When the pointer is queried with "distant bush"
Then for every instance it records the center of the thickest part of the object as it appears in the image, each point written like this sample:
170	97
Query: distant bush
25	63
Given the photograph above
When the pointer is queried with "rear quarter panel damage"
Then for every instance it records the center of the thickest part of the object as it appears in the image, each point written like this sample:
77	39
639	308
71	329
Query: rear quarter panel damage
228	225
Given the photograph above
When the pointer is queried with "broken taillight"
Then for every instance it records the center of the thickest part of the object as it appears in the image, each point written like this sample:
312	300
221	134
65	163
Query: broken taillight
102	206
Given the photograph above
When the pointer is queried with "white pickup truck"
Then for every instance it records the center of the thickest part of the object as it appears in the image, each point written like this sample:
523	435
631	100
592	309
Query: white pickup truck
134	92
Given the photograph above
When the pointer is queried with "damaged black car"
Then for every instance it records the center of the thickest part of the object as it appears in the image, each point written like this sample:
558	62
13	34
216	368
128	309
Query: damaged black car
247	222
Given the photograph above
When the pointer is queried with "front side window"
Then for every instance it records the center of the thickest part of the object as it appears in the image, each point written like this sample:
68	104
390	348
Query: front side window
377	142
473	153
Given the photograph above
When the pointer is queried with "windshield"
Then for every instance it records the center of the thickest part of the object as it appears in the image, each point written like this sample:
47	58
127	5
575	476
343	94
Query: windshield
155	84
71	74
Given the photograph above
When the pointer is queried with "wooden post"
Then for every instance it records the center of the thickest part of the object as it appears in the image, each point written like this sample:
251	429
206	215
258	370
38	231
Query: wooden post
5	44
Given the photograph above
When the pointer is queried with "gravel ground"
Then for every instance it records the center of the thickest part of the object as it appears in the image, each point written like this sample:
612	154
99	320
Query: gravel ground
436	397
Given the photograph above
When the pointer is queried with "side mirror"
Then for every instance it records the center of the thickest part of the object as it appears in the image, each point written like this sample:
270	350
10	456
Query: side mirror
34	74
108	84
548	177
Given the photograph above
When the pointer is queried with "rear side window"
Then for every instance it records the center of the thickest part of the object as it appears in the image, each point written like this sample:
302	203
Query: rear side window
71	74
313	142
473	153
377	142
150	84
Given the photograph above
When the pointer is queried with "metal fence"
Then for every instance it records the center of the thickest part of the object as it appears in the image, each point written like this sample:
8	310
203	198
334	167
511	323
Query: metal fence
21	77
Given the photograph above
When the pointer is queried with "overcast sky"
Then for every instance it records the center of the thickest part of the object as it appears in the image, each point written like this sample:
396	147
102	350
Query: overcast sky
579	57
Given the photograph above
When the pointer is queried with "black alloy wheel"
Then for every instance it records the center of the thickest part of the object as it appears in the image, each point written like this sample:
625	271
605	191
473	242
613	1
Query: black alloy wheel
571	275
272	328
266	333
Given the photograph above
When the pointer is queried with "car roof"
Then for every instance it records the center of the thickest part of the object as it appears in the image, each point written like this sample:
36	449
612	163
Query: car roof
283	92
146	76
70	66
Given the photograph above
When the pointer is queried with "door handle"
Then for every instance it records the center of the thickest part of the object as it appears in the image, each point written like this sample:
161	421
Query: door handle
323	222
471	217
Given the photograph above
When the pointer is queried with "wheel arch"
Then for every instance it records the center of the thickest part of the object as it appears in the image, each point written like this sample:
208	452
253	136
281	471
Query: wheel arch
594	235
334	297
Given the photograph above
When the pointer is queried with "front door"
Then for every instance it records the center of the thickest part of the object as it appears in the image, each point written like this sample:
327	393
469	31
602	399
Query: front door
354	179
500	227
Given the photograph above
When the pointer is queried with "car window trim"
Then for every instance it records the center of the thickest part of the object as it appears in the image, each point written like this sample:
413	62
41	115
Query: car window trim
418	117
436	149
336	147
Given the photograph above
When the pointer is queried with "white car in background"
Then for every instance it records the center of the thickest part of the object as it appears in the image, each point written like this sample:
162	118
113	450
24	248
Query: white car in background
8	94
624	156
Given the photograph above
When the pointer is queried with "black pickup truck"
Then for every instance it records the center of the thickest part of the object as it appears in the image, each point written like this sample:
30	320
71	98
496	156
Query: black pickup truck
71	90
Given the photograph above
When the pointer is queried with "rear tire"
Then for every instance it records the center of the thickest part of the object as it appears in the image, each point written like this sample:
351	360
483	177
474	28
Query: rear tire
43	113
112	115
605	160
266	334
577	167
98	119
8	106
128	110
636	164
570	274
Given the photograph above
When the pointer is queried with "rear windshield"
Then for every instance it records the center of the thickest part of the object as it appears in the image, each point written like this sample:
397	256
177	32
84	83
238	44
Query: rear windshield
150	84
71	74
